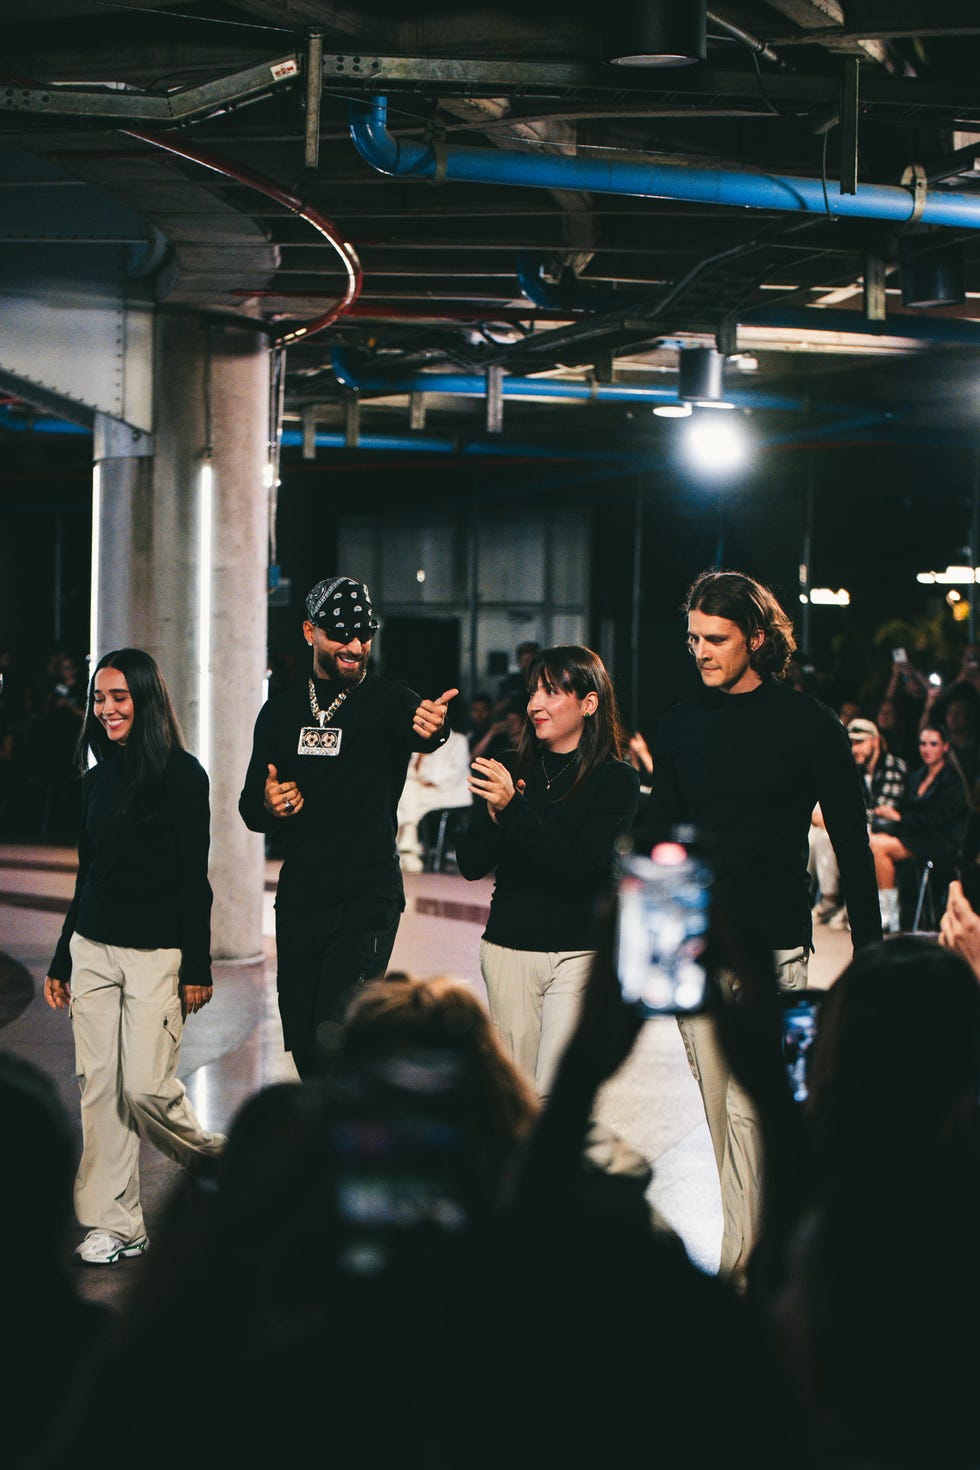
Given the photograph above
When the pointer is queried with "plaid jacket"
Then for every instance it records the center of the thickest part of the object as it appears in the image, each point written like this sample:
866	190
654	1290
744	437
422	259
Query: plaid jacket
887	786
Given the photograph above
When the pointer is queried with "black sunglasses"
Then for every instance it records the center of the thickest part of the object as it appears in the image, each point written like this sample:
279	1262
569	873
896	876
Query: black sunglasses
341	633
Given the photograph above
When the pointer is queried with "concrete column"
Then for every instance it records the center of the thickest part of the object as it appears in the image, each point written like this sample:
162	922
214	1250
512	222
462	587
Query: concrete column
190	585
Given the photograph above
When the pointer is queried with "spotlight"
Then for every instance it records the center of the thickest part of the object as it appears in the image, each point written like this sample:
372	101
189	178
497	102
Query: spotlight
673	410
702	379
654	32
715	443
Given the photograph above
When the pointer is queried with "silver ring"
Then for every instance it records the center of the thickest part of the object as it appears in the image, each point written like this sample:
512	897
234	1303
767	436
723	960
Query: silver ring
287	806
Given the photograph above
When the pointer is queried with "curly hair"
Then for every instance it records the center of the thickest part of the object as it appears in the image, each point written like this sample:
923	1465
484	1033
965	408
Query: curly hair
752	608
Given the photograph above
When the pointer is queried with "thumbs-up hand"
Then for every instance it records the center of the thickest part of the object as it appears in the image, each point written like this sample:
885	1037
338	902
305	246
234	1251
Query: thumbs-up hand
282	798
431	714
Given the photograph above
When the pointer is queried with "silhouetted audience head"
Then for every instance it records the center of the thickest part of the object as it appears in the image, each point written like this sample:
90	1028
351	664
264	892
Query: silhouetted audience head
895	1068
883	1260
433	1039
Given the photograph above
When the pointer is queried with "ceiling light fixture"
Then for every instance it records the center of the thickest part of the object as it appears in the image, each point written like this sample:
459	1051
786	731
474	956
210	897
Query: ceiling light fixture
702	377
931	267
655	32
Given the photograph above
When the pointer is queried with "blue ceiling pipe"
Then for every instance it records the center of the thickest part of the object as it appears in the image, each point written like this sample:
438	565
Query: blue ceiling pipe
405	158
474	385
481	448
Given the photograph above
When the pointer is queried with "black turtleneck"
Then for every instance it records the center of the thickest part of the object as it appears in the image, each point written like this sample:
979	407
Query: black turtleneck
551	857
143	874
748	769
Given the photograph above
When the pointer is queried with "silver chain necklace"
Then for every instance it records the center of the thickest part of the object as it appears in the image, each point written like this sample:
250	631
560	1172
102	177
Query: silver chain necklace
549	781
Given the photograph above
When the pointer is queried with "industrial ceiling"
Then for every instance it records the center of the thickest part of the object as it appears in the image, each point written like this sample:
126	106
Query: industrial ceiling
466	216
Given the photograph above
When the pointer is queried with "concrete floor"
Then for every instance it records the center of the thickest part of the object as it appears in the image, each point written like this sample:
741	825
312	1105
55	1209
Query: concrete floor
234	1047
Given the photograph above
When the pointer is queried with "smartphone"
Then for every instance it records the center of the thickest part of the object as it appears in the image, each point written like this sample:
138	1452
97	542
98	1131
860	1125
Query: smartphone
400	1152
662	918
899	656
800	1012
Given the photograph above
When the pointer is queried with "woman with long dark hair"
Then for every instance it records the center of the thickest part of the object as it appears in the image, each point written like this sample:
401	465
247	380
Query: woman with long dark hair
134	955
546	819
931	825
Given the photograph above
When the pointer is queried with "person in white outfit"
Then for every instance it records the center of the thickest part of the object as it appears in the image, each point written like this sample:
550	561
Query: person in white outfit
435	779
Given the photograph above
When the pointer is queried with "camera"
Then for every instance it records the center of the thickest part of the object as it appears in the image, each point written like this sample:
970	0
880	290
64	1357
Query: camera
800	1012
899	656
662	919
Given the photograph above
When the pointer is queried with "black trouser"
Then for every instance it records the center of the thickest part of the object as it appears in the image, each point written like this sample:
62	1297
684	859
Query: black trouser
323	956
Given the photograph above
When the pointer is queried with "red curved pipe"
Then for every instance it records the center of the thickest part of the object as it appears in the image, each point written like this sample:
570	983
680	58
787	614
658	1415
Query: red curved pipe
346	251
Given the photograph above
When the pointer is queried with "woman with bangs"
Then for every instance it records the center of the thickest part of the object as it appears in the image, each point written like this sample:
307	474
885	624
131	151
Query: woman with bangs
546	820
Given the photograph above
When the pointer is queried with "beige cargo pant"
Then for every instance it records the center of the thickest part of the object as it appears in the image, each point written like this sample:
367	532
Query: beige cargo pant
732	1123
127	1023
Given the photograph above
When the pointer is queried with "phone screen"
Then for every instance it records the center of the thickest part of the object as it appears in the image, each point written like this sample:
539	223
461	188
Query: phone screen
401	1155
800	1011
662	929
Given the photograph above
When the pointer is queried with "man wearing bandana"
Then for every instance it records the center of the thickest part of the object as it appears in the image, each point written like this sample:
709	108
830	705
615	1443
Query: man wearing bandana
328	764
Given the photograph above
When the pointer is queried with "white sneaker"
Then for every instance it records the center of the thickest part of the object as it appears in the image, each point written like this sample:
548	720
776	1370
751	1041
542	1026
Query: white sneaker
102	1248
826	909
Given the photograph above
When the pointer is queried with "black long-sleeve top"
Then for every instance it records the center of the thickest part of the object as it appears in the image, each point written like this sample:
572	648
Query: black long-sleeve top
933	825
552	858
143	873
342	843
748	769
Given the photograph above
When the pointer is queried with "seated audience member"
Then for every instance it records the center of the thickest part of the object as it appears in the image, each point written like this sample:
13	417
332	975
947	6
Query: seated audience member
434	780
513	686
883	778
958	708
503	732
969	668
898	731
930	826
907	690
481	717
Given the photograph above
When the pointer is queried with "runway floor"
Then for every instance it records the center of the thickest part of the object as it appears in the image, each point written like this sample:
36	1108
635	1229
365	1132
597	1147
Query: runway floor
234	1046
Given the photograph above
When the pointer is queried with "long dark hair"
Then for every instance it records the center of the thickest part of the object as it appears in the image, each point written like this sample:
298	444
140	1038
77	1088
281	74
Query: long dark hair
753	609
579	671
156	731
950	759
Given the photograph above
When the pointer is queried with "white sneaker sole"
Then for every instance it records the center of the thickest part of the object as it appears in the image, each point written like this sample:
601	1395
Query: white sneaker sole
135	1248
